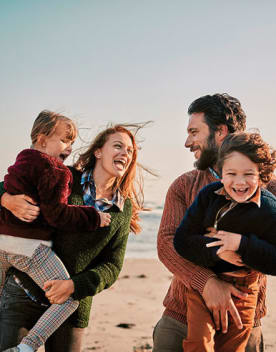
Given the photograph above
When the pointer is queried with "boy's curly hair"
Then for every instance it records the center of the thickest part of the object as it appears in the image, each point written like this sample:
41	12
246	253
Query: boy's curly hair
254	147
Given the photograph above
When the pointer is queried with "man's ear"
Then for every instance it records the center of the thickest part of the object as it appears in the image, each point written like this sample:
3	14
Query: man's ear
221	133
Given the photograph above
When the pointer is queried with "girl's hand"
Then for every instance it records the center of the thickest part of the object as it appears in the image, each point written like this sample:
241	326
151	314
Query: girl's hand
58	291
231	257
22	206
105	219
227	241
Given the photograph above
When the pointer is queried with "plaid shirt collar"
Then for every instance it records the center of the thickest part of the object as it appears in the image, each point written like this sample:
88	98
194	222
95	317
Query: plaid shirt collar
89	194
256	198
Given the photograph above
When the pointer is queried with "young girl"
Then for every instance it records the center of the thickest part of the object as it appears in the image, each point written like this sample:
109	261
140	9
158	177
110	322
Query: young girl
241	218
39	173
104	176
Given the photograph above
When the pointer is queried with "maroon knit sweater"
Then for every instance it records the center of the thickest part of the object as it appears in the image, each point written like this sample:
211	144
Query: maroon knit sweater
180	196
48	182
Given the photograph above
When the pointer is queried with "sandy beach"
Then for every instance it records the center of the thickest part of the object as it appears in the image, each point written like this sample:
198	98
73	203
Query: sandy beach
123	317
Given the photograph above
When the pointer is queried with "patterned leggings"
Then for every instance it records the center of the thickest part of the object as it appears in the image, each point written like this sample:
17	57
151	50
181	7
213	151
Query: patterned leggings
43	265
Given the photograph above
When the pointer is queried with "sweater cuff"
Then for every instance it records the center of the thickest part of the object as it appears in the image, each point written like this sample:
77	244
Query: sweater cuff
80	287
200	278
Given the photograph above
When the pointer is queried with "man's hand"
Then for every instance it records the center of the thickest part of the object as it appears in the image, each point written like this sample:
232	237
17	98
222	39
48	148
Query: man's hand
217	295
58	291
22	206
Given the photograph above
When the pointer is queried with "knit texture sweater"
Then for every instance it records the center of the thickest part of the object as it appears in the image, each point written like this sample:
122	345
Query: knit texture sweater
186	274
48	182
257	225
93	259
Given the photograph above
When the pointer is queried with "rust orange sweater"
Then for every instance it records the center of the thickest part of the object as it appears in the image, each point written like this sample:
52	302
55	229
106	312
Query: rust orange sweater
180	196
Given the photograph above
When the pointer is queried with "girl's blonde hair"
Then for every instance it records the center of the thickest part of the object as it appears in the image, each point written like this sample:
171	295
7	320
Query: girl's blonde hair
47	122
129	185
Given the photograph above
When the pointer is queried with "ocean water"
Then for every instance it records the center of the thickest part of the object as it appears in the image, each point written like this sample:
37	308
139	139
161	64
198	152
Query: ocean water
143	245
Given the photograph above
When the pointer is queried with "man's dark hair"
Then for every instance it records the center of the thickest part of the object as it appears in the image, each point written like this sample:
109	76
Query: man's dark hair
220	109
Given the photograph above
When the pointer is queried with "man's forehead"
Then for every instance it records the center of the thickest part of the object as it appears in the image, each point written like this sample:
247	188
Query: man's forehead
196	120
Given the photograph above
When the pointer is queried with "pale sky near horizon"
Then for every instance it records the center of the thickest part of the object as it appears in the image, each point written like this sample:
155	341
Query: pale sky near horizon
103	61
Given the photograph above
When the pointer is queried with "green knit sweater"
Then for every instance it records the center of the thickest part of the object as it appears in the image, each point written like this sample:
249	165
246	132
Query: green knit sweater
93	259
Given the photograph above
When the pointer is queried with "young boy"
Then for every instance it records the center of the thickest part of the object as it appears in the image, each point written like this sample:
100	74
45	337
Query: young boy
241	218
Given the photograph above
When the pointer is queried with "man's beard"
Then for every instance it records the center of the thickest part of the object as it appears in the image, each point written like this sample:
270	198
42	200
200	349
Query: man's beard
209	154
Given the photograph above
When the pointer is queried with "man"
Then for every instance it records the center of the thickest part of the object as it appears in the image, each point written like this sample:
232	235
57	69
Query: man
211	119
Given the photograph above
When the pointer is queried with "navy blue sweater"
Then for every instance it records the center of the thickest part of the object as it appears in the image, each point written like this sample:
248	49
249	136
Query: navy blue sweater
256	225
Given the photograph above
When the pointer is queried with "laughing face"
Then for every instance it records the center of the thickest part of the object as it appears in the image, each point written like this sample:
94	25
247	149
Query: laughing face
201	141
115	156
58	144
240	177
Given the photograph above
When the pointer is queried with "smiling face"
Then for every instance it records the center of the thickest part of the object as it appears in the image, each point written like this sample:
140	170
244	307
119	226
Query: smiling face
57	144
198	133
116	154
240	177
202	142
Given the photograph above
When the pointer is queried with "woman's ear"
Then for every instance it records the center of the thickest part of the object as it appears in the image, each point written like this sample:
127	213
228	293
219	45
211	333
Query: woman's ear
98	154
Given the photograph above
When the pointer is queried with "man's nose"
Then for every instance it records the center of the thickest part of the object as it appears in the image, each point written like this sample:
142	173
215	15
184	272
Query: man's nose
188	142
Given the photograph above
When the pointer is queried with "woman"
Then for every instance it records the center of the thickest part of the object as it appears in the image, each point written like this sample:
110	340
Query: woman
103	177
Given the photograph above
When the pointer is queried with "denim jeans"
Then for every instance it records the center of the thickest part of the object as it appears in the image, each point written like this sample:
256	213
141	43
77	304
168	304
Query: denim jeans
18	314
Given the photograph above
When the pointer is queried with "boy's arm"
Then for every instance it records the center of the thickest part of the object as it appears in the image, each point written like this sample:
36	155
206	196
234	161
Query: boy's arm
260	253
189	240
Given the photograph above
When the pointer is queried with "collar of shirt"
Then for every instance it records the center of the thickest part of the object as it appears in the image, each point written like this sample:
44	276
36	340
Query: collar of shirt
89	194
214	173
256	198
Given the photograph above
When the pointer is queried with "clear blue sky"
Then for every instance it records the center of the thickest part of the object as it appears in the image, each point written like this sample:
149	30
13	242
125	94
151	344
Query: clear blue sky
104	60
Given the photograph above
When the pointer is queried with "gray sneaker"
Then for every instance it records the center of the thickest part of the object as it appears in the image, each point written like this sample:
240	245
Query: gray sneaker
12	349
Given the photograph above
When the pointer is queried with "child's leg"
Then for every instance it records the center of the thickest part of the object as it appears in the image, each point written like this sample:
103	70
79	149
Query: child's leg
4	266
42	266
201	330
235	339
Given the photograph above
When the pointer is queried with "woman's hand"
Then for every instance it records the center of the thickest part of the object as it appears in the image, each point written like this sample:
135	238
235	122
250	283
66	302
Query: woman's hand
58	291
22	206
231	257
105	219
226	240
